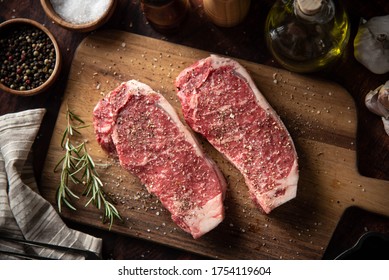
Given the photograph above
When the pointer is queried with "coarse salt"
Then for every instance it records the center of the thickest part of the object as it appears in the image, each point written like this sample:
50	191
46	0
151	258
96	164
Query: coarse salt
80	12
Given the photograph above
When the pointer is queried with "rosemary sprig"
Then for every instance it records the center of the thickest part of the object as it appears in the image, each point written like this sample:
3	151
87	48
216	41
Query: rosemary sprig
78	167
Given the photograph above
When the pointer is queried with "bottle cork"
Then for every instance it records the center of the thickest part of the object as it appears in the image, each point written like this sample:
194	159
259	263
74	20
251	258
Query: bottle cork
310	7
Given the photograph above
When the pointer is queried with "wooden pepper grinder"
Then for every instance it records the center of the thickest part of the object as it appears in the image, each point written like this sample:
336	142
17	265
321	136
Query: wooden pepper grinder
226	13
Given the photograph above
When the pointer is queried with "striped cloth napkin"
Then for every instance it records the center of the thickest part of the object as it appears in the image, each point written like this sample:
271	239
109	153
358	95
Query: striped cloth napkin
24	213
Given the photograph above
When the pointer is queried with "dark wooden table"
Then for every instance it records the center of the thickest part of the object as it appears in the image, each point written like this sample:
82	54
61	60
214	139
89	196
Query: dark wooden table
245	41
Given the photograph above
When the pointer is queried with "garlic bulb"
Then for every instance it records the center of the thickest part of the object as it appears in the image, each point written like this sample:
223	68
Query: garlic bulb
377	101
371	44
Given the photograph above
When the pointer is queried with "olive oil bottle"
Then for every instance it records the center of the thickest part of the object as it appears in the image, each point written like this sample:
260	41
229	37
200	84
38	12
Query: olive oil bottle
307	35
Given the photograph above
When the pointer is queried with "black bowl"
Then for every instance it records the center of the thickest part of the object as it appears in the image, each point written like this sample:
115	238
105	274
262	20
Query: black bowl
370	246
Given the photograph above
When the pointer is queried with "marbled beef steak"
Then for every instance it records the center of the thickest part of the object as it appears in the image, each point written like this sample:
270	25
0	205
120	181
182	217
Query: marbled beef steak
220	101
141	128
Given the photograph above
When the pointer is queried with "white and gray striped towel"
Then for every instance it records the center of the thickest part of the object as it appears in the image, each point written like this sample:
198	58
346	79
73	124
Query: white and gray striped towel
24	213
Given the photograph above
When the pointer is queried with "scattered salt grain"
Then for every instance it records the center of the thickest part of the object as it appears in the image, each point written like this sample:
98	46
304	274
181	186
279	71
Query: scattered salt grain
80	12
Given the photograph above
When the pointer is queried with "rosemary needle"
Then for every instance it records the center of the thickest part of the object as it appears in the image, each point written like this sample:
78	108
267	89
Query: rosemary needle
78	168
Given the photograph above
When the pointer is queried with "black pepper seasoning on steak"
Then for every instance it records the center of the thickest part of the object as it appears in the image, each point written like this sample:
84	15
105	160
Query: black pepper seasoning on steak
220	101
141	128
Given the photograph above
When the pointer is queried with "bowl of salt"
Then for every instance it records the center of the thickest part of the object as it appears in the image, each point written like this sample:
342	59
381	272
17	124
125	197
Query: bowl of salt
76	15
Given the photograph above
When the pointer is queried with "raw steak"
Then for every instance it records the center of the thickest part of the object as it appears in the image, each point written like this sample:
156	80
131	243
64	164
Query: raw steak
220	101
142	129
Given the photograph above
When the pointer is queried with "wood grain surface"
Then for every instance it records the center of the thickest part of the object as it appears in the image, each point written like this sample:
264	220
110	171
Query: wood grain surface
320	115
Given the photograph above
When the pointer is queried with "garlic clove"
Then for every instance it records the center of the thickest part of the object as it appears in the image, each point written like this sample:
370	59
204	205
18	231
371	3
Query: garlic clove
377	101
371	44
383	95
386	125
371	102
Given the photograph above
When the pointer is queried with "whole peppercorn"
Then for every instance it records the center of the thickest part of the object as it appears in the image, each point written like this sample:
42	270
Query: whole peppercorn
28	57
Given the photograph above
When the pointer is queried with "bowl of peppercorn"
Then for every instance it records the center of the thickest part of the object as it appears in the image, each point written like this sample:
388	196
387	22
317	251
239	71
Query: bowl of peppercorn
29	55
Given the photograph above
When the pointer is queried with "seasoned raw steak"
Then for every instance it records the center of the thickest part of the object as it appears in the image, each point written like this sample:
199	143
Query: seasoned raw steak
220	100
143	130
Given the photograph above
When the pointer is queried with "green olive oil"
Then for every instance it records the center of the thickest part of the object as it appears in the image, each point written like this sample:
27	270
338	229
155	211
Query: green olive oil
307	39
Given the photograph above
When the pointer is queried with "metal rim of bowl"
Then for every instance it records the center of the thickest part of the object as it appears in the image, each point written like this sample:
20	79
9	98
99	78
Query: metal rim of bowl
358	245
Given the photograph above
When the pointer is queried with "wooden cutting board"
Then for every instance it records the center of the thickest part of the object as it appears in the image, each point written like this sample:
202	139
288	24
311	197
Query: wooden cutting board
320	116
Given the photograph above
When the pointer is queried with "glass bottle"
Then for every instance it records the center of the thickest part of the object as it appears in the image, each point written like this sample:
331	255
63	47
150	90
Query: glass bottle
307	35
165	15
